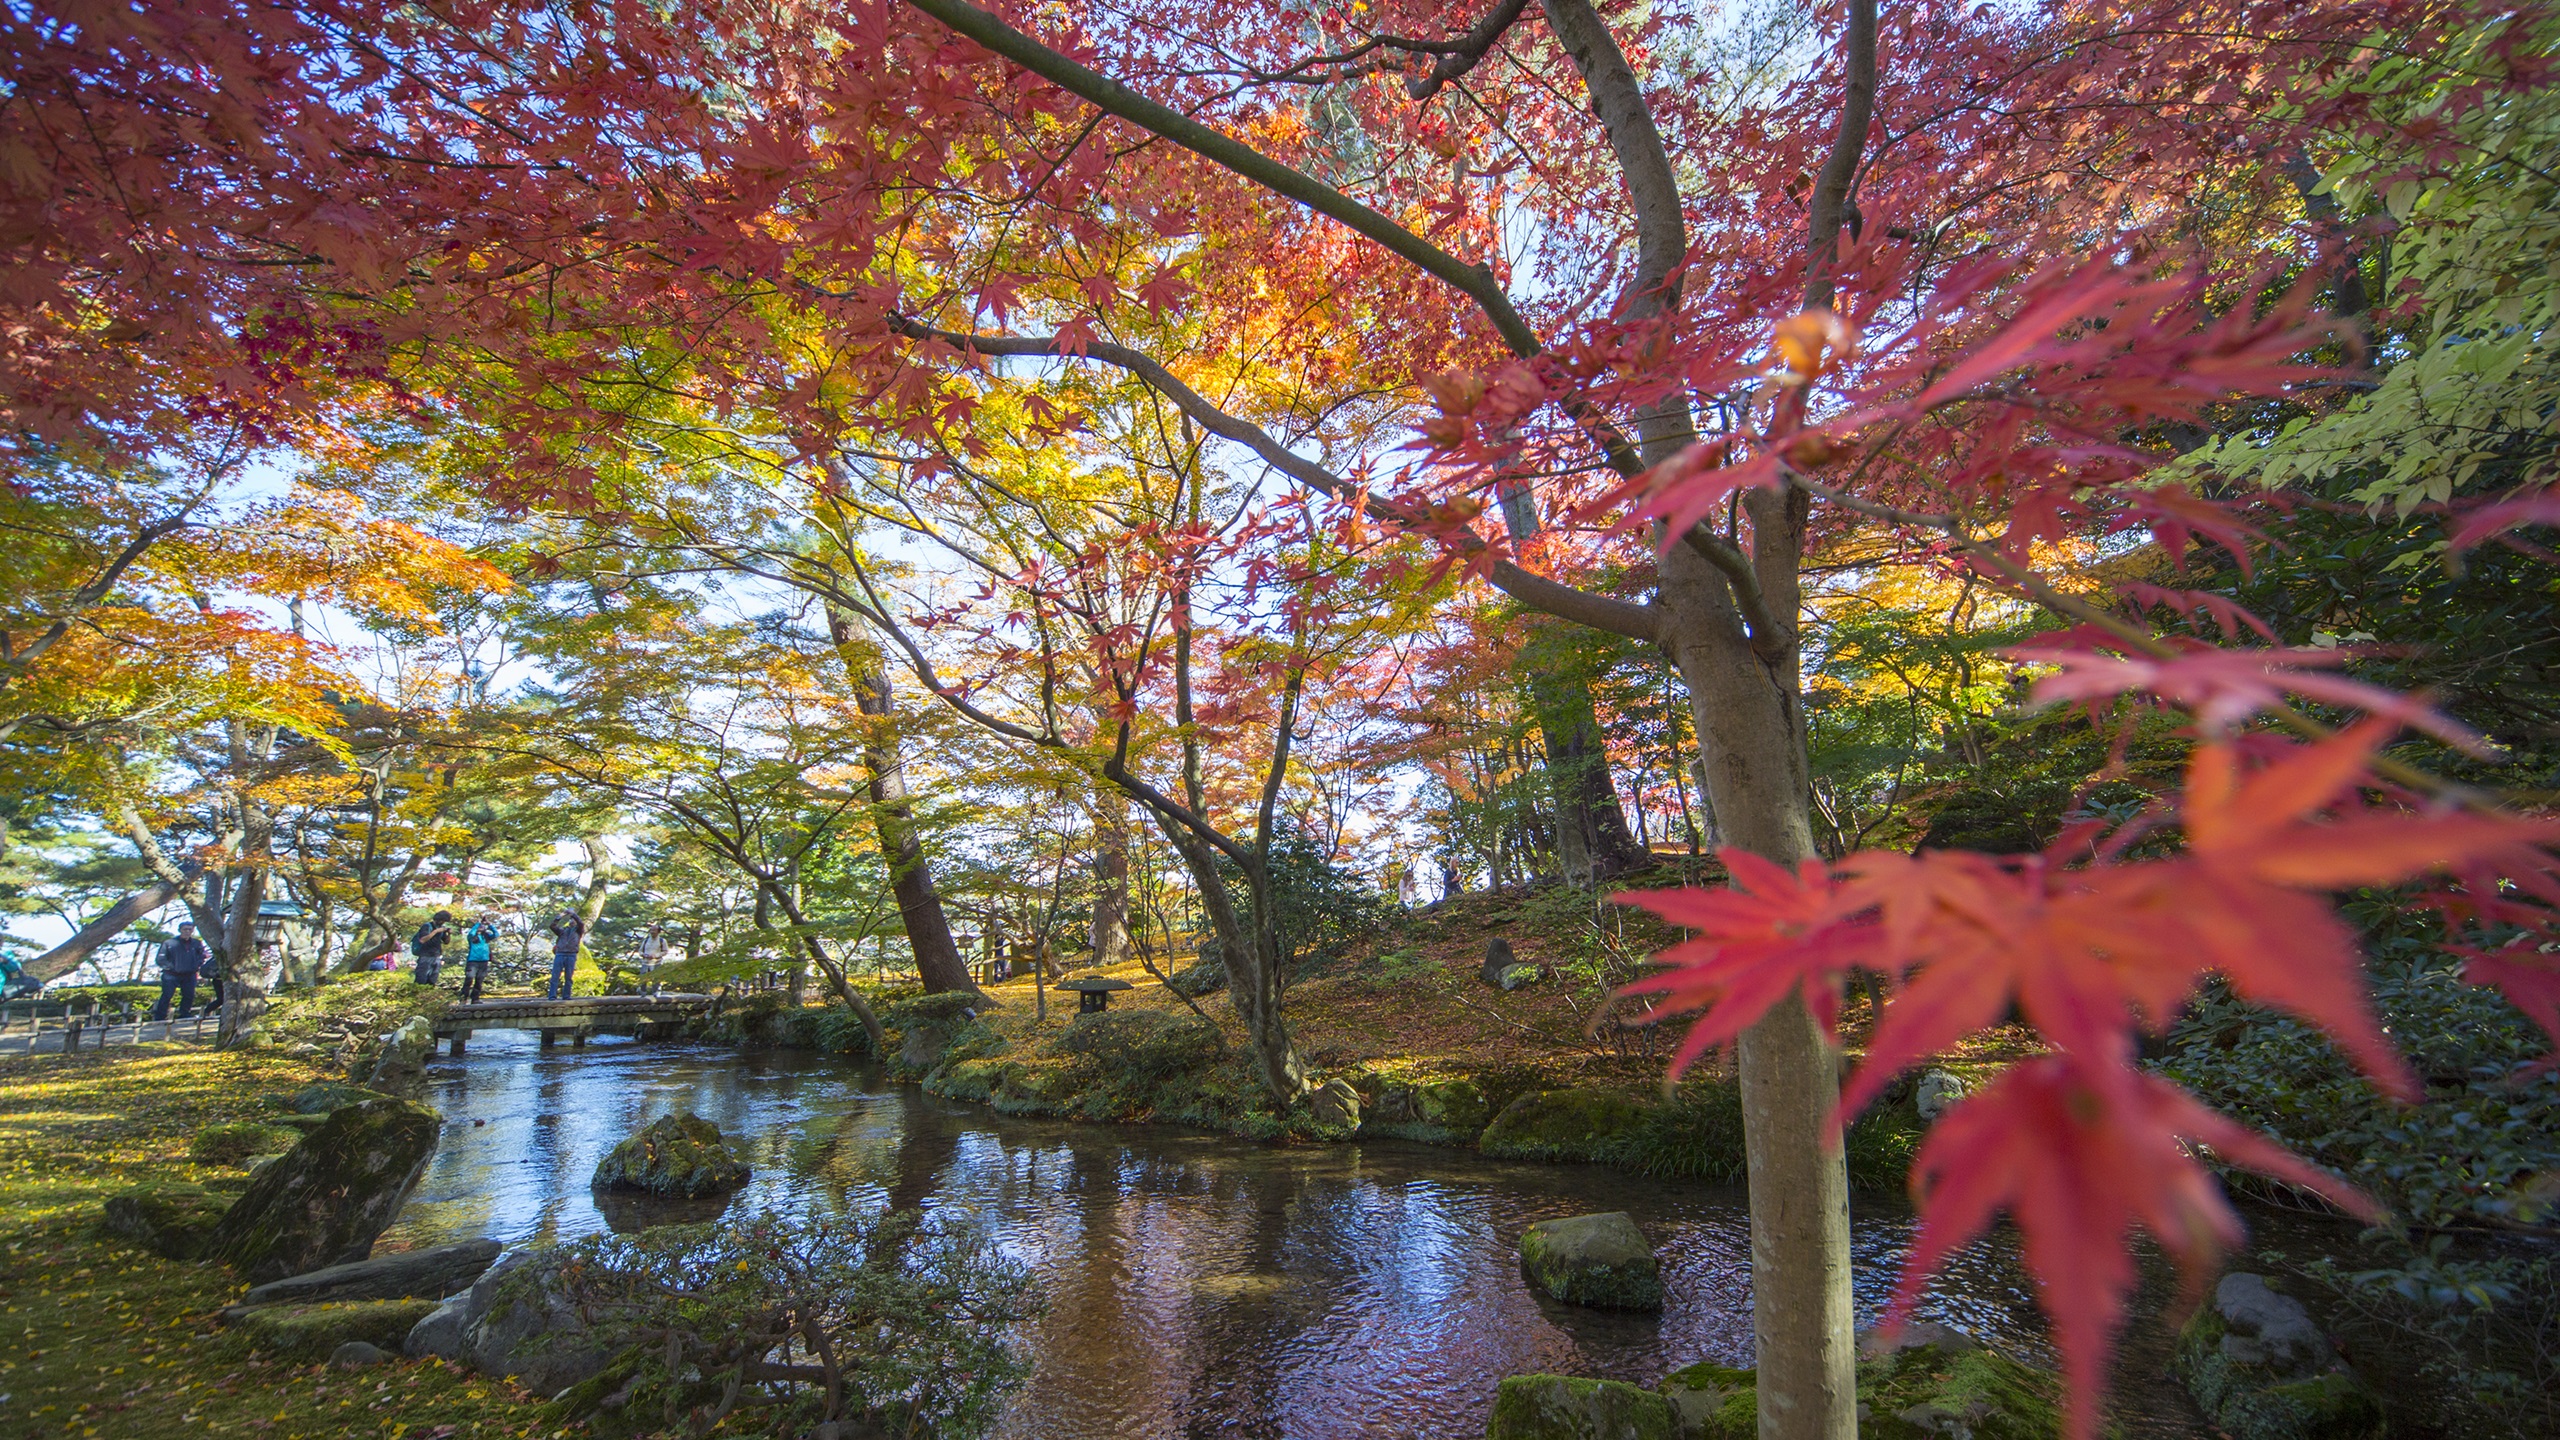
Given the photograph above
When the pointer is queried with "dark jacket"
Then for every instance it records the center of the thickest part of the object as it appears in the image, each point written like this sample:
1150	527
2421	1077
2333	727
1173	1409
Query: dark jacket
182	956
566	936
428	943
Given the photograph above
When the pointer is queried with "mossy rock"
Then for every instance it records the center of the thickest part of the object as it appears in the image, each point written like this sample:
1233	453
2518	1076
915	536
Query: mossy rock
1600	1260
950	1009
2249	1399
681	1156
327	1095
310	1332
1562	1125
237	1141
328	1197
1458	1106
1713	1402
1919	1392
174	1221
924	1028
1563	1407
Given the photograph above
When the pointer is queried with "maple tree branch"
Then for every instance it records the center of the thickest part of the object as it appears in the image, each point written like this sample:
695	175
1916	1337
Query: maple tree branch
1476	282
1466	52
1599	612
1830	200
2035	587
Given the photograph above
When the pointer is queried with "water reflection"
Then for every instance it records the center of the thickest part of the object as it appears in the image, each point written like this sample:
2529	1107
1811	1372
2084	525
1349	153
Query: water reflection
1197	1285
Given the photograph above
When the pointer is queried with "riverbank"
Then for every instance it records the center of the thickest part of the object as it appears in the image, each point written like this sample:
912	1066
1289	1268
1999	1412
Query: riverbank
1407	1034
113	1341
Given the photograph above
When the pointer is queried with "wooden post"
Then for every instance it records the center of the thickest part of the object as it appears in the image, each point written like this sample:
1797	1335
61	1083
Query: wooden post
70	1033
578	1039
460	1039
546	1039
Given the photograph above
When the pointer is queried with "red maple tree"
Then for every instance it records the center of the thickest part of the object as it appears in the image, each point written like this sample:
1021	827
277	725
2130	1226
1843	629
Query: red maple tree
1676	320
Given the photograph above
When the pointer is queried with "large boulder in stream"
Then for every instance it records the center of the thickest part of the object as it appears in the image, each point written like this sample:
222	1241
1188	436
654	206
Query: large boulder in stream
1599	1260
324	1201
678	1156
2262	1369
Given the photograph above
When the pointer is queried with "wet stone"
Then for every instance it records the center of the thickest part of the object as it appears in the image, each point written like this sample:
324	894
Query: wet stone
1599	1260
681	1156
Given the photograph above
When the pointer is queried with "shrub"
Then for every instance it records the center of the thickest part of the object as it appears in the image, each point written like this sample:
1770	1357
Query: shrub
869	1325
838	1029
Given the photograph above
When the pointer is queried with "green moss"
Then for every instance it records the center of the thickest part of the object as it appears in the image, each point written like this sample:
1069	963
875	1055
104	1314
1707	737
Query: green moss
976	1080
310	1332
681	1156
1140	1045
237	1140
2250	1403
1713	1402
1458	1106
1918	1393
173	1221
1562	1125
328	1095
1562	1407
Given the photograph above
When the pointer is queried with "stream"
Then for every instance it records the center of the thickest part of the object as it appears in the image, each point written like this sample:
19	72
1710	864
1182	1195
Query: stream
1197	1284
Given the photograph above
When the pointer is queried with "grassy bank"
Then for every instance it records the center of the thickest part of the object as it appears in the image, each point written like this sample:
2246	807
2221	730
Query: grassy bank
113	1341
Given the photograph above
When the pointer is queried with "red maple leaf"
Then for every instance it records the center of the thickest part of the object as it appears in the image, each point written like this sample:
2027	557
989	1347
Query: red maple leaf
2225	687
1773	932
2530	979
2079	1153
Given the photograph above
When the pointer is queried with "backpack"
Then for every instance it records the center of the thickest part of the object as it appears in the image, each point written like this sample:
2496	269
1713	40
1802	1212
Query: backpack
418	942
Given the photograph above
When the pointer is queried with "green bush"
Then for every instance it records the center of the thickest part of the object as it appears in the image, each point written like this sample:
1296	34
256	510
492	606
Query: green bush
839	1030
915	1325
2466	1154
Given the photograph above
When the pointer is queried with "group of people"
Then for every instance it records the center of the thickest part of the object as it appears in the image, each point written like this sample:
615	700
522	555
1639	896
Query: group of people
426	951
568	935
187	964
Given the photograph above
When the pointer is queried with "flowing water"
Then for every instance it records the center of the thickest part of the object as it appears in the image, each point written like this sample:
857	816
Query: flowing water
1197	1284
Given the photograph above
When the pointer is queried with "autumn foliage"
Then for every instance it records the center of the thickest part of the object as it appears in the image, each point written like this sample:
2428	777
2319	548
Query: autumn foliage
1999	310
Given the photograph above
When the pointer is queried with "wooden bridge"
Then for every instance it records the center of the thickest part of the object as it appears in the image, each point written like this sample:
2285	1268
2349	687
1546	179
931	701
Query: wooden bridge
647	1017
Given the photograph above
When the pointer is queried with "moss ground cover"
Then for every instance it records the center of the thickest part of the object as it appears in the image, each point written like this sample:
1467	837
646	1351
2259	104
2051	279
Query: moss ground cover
105	1339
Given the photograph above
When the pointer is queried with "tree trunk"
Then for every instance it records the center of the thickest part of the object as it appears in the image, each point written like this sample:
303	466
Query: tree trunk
62	959
1752	747
1110	935
599	880
1251	953
1592	840
938	960
244	971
